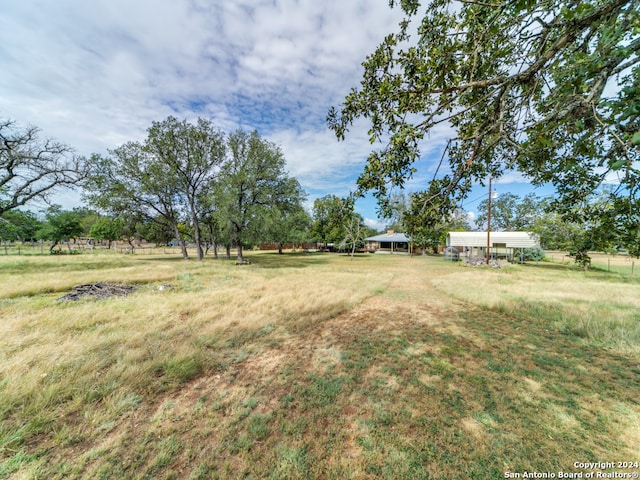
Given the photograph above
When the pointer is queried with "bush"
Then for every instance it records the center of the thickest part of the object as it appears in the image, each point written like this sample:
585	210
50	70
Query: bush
532	254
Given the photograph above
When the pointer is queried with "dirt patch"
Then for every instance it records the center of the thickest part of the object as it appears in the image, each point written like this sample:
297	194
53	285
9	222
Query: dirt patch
473	427
98	290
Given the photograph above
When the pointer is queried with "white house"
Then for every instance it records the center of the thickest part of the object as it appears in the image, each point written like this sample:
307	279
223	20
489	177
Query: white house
501	244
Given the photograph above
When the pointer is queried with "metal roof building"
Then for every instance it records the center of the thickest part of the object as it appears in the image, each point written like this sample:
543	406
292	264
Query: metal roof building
502	244
389	242
502	239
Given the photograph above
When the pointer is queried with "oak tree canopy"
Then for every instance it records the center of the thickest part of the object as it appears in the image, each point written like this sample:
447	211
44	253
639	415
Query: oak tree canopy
548	88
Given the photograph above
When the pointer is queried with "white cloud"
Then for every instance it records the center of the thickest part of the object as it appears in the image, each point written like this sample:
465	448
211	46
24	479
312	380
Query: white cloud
107	68
97	74
375	224
321	162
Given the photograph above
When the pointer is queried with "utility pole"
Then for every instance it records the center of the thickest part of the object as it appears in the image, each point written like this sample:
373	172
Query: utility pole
489	221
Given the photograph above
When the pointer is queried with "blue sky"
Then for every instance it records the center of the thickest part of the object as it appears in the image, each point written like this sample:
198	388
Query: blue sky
96	74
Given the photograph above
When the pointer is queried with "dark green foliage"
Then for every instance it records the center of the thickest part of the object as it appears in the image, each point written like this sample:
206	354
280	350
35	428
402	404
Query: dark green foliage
61	226
289	223
130	183
509	213
162	179
330	213
253	181
193	181
192	156
18	225
522	86
105	228
428	220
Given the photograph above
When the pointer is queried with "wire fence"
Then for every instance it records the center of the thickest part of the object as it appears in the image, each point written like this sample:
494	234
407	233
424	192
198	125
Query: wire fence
619	263
116	248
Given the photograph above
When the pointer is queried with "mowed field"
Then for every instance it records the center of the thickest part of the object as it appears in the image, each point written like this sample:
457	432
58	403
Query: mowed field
315	366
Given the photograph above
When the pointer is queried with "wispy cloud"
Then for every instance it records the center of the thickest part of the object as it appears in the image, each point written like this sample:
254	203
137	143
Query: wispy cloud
96	74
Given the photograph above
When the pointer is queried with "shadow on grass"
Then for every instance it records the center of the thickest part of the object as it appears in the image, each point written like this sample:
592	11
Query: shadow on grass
18	268
552	266
289	260
167	258
264	260
609	273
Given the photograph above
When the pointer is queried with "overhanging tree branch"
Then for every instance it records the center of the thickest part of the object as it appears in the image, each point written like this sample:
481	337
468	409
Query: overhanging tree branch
519	83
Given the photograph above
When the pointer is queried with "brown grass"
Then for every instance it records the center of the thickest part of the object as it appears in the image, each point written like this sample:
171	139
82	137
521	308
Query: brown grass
308	367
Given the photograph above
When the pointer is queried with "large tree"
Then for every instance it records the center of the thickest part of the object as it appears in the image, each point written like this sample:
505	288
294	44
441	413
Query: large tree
427	230
61	226
18	225
253	180
509	212
289	224
106	228
550	88
32	168
165	176
131	182
193	155
330	215
216	226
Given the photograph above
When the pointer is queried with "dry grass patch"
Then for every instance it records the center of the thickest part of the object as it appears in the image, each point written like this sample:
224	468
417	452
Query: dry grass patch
603	308
83	354
41	275
303	367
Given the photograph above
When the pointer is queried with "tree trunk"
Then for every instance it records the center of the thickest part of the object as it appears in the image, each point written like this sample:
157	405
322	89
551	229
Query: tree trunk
238	236
52	246
183	247
196	230
280	248
228	252
215	250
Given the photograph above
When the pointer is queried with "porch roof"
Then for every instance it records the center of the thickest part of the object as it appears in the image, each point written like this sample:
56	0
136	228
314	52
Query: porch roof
389	237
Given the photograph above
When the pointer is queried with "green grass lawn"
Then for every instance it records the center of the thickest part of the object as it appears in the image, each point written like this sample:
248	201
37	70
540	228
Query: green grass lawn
315	366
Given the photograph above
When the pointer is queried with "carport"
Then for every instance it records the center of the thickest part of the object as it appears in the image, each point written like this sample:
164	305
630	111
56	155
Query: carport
501	244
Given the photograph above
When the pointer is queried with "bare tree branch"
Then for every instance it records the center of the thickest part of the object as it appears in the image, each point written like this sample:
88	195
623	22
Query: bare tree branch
31	168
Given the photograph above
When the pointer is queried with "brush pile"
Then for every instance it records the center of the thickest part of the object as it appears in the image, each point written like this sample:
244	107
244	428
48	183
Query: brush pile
475	261
98	290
